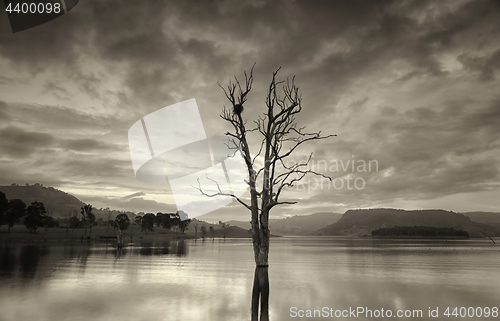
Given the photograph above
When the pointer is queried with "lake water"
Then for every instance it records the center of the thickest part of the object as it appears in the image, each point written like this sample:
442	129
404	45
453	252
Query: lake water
188	280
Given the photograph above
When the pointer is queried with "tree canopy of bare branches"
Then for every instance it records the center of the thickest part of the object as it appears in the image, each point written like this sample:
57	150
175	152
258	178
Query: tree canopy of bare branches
280	136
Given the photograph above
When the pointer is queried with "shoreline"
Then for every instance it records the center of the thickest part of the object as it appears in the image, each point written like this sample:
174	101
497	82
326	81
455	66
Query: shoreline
19	234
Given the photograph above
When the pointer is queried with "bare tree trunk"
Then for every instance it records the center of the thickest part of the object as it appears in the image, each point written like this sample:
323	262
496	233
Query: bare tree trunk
107	229
262	258
258	237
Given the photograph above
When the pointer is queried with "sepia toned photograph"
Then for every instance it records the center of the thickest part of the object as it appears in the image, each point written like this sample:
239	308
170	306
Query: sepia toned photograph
249	160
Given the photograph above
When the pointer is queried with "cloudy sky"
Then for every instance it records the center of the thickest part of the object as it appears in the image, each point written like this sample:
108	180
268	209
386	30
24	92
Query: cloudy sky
413	85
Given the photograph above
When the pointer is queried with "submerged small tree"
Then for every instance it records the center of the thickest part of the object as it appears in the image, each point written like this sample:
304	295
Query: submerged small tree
195	225
4	206
212	231
122	222
280	136
183	225
74	223
16	210
88	218
203	230
147	222
35	214
49	222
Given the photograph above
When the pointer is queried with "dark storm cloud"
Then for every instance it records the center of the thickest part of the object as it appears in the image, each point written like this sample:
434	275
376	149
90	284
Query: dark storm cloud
440	151
428	133
286	32
432	182
137	34
17	142
11	81
86	144
3	111
56	90
133	32
486	67
88	82
169	43
392	33
82	167
58	118
20	173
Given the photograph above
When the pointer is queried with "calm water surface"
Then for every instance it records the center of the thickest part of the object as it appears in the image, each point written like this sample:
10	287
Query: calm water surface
188	280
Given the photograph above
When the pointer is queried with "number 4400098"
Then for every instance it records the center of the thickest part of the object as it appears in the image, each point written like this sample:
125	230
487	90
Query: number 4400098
471	312
34	8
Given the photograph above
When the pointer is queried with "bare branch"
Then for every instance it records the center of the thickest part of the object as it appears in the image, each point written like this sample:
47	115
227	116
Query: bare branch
220	193
317	137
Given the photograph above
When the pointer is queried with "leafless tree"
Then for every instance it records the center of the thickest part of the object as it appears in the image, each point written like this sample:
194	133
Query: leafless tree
203	230
280	136
109	219
212	231
195	221
67	223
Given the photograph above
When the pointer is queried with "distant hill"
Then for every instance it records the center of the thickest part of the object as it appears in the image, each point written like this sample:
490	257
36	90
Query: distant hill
420	231
362	222
240	224
57	202
484	217
303	224
296	225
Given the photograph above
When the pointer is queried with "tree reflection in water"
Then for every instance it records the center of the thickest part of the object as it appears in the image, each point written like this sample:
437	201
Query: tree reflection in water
7	261
260	291
29	259
177	247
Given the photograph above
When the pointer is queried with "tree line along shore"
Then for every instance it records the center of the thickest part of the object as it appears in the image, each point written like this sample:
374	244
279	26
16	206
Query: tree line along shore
21	222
